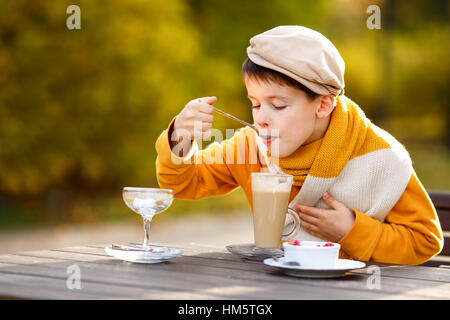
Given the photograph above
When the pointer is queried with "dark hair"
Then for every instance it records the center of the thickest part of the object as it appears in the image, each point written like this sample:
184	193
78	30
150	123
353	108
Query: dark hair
254	71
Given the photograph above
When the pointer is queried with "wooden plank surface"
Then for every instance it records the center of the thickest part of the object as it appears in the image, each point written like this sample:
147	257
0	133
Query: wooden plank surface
200	273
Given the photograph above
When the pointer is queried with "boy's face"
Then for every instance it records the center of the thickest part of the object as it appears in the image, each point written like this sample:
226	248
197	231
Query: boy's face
285	115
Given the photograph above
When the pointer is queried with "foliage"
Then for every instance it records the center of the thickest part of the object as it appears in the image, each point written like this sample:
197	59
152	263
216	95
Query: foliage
80	110
83	108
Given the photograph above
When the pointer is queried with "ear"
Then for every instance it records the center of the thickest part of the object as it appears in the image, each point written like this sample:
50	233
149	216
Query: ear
326	105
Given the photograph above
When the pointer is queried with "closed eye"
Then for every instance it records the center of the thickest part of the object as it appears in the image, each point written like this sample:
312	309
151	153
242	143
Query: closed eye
277	108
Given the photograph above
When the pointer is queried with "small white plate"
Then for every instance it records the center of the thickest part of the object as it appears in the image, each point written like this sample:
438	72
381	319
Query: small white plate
143	256
342	266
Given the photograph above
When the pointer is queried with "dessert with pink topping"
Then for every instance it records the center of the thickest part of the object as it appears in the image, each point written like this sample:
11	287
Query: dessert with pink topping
297	243
312	254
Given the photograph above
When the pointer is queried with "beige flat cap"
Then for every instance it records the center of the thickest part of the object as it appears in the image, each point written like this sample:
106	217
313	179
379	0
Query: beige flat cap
302	54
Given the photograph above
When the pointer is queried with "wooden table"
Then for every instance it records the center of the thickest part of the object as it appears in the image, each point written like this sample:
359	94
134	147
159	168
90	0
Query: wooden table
202	272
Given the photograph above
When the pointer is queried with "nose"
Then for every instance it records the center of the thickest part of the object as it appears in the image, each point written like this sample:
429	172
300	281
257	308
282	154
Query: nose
262	117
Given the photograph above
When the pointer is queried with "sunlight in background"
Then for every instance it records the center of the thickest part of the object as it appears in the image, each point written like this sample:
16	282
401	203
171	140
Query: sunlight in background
81	109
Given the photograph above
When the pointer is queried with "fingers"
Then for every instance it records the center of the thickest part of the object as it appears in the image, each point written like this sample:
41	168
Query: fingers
203	116
311	211
318	212
332	202
195	115
208	100
201	110
309	219
206	118
196	118
329	224
311	228
205	104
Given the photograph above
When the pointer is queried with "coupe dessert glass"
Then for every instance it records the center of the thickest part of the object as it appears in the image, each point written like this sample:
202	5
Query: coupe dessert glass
147	202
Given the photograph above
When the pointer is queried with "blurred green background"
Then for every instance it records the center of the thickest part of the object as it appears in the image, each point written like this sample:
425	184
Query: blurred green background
80	110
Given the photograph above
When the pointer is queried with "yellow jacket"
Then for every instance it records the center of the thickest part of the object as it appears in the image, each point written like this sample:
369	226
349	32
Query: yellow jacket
410	233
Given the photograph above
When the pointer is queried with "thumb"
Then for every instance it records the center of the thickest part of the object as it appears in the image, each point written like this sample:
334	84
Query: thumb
331	201
209	100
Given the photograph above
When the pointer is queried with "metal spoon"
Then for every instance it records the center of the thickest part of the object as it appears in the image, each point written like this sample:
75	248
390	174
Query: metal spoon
237	119
292	263
287	263
271	166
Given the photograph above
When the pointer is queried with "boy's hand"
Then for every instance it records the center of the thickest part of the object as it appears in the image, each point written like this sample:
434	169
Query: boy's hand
195	120
328	224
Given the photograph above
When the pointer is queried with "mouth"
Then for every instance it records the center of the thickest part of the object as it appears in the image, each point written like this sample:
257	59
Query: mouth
268	135
267	139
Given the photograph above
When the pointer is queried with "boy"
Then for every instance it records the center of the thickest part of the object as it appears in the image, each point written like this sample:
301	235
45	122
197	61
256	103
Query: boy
353	183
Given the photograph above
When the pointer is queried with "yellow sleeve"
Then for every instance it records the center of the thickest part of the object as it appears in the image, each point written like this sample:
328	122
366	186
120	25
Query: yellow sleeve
201	173
411	233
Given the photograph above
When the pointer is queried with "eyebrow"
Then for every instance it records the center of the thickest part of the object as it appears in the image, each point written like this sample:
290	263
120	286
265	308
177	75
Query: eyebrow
272	97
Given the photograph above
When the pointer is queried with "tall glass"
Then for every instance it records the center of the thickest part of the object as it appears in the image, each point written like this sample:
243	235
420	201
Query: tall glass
270	197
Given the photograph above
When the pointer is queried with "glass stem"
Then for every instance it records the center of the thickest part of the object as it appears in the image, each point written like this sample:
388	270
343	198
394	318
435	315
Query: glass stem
147	221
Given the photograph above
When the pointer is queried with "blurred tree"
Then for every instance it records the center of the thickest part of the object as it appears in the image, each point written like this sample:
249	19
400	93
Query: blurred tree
393	73
228	26
82	108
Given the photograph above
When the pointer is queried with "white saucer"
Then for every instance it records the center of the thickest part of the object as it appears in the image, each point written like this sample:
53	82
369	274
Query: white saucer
251	252
342	266
144	256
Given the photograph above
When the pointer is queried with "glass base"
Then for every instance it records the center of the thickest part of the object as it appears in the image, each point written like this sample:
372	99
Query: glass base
136	253
140	247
